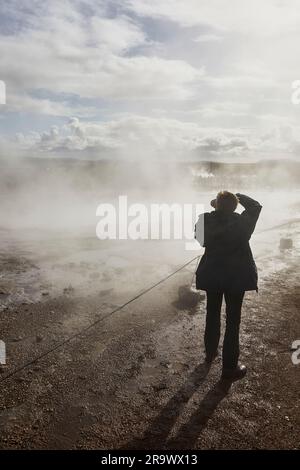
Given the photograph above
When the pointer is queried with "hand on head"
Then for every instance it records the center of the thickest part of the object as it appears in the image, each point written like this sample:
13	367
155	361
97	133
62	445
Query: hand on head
225	201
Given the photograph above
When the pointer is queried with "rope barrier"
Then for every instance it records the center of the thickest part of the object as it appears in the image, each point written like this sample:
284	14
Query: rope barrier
92	325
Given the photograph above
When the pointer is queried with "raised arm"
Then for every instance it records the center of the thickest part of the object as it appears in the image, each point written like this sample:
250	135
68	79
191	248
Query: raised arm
250	214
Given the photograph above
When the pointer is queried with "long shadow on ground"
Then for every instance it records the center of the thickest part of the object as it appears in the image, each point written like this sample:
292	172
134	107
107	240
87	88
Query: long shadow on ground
156	436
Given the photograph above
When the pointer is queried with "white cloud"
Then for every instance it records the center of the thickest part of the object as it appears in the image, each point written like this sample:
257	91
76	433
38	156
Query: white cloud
117	35
86	56
140	137
255	16
23	102
208	38
217	69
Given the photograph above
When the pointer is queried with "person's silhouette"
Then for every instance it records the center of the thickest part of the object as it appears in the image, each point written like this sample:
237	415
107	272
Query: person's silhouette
227	269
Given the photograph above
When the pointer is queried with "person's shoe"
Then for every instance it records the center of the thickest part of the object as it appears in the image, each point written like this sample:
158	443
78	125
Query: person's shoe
209	358
234	374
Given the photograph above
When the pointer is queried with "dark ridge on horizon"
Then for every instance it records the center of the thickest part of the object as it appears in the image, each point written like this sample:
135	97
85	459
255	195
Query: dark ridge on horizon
120	175
137	162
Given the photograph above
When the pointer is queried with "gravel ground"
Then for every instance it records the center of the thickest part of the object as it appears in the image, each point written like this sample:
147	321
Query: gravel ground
137	379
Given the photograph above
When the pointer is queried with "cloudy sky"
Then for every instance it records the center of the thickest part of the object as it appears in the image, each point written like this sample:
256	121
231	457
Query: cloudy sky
204	79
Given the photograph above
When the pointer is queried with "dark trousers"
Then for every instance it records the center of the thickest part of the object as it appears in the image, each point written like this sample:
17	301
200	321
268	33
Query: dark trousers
234	302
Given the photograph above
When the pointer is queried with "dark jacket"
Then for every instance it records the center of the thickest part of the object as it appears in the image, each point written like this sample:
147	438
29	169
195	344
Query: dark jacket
227	263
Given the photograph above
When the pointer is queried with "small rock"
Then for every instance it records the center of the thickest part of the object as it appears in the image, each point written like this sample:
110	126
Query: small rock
16	339
285	244
20	379
4	291
39	338
159	387
68	290
165	364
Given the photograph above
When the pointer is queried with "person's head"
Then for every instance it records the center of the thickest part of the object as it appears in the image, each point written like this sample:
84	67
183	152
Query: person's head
226	201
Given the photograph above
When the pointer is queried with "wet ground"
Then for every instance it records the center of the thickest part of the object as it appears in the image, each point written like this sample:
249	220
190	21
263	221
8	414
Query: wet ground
136	379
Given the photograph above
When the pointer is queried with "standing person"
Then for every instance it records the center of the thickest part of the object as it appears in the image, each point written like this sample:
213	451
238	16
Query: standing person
227	269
